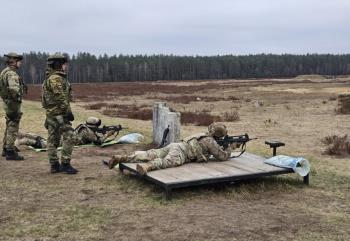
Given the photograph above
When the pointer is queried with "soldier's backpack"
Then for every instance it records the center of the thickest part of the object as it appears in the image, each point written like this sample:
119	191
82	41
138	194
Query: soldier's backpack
3	85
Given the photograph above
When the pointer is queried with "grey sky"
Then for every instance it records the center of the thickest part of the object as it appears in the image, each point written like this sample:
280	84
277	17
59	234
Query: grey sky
182	27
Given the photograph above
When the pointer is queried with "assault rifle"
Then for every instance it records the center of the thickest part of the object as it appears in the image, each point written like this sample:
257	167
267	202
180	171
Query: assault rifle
106	129
164	139
241	140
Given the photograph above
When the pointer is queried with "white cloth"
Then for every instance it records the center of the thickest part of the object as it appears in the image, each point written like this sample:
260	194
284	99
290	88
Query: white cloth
130	138
298	164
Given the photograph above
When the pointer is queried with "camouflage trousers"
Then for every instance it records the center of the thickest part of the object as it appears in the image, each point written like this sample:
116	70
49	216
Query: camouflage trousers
57	130
30	139
13	118
175	154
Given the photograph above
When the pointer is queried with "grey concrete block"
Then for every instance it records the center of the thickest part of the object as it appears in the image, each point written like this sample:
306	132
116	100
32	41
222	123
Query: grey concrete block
162	118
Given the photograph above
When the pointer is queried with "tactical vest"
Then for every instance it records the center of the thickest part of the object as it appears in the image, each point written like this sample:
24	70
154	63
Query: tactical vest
80	127
49	100
4	85
195	150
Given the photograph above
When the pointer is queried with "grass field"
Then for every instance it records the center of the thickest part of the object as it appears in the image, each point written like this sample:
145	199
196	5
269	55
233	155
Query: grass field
99	204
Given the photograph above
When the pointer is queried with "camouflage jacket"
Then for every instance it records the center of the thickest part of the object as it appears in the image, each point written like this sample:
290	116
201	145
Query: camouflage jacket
86	135
12	87
201	146
56	94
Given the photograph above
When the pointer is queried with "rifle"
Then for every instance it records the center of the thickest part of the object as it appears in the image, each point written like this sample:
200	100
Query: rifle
241	140
164	139
106	129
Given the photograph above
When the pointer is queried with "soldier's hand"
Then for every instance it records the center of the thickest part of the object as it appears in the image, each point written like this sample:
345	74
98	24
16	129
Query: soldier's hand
70	116
60	120
235	145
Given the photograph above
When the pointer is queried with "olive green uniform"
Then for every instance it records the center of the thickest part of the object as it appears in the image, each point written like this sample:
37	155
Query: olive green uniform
56	97
11	94
196	148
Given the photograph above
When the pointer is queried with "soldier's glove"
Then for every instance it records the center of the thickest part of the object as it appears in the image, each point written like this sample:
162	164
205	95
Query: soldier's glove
14	116
235	145
98	142
70	116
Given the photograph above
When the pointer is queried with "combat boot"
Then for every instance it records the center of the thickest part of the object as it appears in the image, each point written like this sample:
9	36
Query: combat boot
12	155
116	159
143	168
3	152
68	169
55	168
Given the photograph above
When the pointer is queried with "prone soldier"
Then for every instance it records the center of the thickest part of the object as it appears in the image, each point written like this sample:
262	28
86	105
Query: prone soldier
11	91
89	132
86	133
195	148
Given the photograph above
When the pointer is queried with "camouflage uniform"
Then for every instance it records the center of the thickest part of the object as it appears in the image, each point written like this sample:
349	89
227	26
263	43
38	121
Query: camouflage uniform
30	139
85	134
12	98
56	97
196	148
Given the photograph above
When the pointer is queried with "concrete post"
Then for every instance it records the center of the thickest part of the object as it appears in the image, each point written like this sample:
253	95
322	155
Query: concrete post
162	118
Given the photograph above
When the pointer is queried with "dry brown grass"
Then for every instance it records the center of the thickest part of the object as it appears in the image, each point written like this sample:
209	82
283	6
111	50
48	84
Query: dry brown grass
102	205
343	104
337	145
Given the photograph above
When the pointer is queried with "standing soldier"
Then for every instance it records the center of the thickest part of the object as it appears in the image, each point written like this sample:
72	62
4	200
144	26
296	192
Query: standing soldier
11	90
56	97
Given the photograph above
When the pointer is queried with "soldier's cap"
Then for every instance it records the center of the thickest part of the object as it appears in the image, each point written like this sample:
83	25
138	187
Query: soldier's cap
57	57
217	130
13	55
93	121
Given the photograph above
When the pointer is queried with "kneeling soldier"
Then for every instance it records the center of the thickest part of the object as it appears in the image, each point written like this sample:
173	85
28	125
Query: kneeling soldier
196	148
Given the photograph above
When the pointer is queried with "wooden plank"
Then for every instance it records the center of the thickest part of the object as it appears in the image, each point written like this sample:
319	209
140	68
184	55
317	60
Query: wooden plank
258	164
247	164
228	169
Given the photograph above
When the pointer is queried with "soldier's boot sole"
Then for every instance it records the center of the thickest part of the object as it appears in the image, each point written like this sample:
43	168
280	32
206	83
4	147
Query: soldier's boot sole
116	160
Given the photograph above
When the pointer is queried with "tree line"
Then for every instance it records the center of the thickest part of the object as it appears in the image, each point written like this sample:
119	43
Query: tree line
85	67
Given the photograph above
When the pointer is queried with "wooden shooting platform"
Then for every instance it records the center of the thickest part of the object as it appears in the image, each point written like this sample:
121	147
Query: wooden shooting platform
247	166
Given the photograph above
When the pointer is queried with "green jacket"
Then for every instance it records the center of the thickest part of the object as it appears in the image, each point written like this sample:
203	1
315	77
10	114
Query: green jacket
56	94
11	85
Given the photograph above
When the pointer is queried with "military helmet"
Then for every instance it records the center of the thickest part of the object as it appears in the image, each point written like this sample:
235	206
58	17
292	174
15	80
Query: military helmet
93	121
57	57
13	55
217	130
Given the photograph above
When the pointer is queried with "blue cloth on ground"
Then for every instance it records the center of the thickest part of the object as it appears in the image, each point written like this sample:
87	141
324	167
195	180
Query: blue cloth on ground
298	164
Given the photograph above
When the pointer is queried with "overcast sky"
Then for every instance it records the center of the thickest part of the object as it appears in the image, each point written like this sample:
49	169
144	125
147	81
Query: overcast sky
181	27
